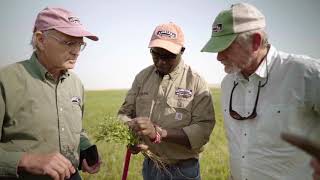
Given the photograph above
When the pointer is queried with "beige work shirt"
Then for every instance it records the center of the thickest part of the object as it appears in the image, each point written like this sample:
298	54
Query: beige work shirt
179	100
39	115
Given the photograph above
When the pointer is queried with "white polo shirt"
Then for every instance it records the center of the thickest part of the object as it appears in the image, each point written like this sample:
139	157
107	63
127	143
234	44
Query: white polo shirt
289	102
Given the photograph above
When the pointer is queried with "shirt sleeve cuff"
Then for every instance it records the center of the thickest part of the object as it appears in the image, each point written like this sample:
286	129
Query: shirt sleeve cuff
9	163
84	142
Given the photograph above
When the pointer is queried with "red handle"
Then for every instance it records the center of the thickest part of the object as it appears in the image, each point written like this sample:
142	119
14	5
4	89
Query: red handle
126	165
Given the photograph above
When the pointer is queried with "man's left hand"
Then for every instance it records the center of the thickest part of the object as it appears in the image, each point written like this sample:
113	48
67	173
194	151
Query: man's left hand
91	169
144	126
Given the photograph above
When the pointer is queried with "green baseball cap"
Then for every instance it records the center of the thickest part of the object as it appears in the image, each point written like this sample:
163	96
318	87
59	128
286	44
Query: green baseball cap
241	17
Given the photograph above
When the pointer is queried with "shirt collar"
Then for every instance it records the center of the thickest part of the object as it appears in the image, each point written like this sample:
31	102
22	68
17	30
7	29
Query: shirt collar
264	67
39	68
176	71
42	71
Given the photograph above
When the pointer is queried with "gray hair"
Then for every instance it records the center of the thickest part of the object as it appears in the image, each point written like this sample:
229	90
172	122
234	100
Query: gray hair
34	40
244	39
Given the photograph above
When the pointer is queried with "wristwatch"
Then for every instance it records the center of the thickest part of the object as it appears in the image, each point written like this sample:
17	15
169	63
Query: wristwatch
163	133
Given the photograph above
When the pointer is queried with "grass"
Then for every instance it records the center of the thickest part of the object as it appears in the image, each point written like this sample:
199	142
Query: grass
213	161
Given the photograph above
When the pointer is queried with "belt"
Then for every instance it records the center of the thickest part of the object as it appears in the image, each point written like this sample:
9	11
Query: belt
182	162
186	162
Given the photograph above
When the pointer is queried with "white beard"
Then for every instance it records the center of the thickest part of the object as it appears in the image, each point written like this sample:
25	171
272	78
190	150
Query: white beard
231	68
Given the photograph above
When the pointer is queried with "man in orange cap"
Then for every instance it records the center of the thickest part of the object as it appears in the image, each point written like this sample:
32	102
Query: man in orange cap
169	105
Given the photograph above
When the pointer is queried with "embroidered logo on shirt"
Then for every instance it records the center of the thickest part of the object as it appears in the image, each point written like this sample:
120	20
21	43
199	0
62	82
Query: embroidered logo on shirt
178	116
76	100
185	93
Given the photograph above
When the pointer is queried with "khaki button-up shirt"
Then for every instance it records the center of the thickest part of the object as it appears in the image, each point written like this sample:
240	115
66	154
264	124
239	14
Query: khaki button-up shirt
39	115
178	100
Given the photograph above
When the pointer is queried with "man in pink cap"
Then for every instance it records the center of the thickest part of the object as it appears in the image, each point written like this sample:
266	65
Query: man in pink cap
42	104
169	105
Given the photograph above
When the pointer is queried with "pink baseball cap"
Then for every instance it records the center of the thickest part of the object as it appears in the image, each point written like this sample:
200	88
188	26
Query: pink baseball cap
167	36
63	21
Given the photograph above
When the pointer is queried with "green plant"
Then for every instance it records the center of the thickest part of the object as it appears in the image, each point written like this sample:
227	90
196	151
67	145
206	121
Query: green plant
111	129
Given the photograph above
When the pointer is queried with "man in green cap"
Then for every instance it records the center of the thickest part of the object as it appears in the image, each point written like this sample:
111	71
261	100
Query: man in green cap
265	93
42	103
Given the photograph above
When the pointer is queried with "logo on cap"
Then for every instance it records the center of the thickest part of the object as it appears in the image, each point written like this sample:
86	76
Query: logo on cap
217	28
74	20
168	34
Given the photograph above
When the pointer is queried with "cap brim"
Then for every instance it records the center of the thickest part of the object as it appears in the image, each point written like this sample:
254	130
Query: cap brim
170	46
219	43
78	31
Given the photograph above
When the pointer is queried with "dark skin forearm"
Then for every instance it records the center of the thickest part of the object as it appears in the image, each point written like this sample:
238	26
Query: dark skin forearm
177	136
144	126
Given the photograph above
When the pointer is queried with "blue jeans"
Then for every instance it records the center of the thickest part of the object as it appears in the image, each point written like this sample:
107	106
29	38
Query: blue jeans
184	170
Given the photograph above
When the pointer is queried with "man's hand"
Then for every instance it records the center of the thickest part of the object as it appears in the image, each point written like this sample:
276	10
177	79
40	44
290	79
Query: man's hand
315	164
137	148
54	165
91	169
143	126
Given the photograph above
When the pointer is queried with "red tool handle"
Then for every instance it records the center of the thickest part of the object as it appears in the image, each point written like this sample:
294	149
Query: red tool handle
126	165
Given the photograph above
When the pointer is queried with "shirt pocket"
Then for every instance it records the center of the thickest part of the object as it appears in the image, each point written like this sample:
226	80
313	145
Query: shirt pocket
272	123
179	112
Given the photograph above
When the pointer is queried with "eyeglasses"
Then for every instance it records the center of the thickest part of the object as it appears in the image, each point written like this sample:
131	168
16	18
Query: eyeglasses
70	44
236	115
164	57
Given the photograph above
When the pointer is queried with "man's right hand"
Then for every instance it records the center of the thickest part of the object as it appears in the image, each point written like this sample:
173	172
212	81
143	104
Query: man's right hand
54	165
315	164
137	148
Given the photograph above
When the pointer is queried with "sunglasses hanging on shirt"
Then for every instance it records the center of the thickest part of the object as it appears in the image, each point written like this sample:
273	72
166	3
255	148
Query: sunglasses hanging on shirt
234	114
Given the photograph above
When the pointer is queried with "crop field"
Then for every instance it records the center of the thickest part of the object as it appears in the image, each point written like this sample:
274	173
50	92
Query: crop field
102	105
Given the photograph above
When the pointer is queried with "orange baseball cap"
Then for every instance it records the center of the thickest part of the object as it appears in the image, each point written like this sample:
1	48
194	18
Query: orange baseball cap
168	36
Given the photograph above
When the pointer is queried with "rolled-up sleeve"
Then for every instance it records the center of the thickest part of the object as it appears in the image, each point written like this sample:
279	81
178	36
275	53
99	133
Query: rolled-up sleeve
127	110
203	118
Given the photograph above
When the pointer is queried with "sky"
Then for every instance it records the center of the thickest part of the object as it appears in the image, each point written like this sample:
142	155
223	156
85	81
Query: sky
125	28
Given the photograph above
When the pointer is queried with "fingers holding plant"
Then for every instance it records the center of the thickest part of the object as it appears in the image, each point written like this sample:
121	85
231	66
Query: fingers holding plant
111	129
143	126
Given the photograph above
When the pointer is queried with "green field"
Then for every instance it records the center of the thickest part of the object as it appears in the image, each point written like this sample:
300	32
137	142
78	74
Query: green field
100	104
